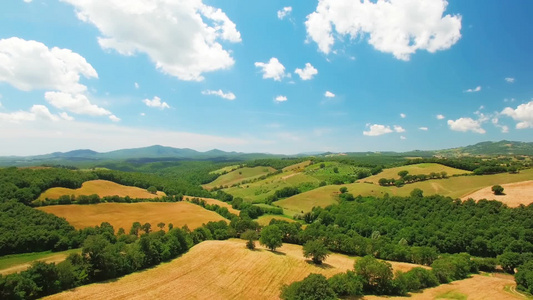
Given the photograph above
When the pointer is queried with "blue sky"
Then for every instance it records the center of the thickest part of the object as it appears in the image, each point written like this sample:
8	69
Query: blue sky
264	76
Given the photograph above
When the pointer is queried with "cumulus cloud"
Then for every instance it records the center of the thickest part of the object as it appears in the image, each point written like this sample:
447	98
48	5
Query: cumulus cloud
466	124
66	117
136	85
400	27
474	90
36	112
114	118
509	79
156	103
423	128
273	69
440	117
329	94
182	38
403	137
31	65
220	93
377	129
76	103
307	73
399	128
402	115
284	12
496	122
281	98
523	114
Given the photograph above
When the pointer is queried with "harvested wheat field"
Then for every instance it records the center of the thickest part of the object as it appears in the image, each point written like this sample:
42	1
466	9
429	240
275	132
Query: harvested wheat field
218	270
478	287
101	188
124	214
515	194
216	202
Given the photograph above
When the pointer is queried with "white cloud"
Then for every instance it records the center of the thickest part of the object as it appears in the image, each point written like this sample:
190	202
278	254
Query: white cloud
66	117
27	1
156	102
474	90
402	115
31	65
523	113
280	98
377	129
76	103
496	122
403	137
307	73
423	128
220	93
329	94
466	124
37	112
399	128
114	118
282	13
509	79
273	69
182	38
441	117
142	114
397	27
136	85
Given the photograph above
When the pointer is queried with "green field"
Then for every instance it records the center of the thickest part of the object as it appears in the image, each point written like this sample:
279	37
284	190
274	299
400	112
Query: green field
454	187
225	169
328	174
257	192
19	262
417	169
238	176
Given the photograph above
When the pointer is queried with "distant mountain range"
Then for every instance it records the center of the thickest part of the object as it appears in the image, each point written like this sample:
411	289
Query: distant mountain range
162	153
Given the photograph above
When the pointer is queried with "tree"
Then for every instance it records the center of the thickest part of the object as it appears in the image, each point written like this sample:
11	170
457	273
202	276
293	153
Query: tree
497	189
161	225
147	227
343	190
335	170
509	261
313	287
250	236
135	227
271	237
417	193
316	250
377	275
152	190
403	173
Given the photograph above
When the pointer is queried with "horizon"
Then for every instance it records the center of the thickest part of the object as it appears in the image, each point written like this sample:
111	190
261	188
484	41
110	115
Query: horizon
268	153
273	77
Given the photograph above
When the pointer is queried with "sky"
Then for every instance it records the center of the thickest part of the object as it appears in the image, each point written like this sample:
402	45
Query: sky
266	76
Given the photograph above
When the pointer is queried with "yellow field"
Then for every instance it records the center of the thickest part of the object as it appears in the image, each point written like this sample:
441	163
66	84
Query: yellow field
297	167
124	214
417	169
101	188
478	287
238	176
514	194
455	187
218	270
225	169
217	202
265	220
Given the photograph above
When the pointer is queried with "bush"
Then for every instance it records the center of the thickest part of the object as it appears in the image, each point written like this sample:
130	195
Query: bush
346	284
314	286
316	250
497	189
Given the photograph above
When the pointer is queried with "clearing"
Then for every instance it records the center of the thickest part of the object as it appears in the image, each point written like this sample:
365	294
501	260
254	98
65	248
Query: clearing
478	287
203	273
101	188
265	219
212	201
19	262
124	214
417	169
514	194
225	169
238	176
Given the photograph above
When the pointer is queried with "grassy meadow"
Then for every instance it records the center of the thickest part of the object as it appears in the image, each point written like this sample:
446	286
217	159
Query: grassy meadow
19	262
239	175
101	188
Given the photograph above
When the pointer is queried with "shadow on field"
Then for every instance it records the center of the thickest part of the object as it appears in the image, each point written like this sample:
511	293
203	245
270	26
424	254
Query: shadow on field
321	266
